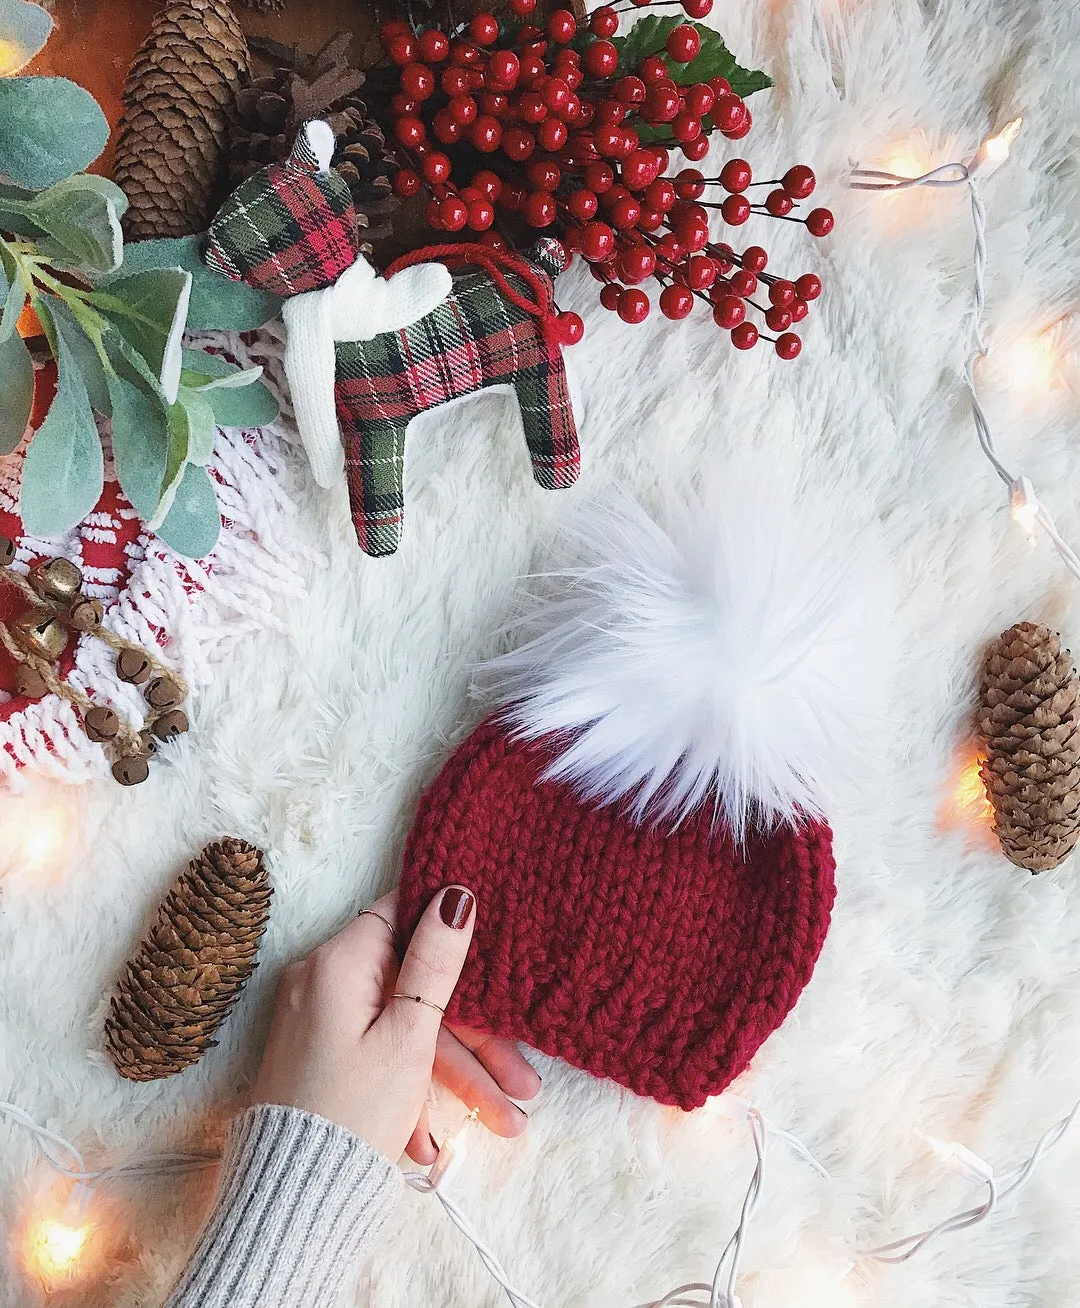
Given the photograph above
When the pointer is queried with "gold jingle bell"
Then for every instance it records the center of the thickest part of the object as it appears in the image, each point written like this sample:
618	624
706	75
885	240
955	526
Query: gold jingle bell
55	579
7	552
38	632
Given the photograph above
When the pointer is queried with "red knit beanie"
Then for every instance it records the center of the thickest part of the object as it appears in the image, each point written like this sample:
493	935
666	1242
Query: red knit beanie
642	821
661	959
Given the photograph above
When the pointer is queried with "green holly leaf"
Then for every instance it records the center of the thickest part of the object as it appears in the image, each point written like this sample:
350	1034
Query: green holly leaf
253	406
24	29
80	219
49	128
150	309
64	470
16	391
217	302
649	36
193	522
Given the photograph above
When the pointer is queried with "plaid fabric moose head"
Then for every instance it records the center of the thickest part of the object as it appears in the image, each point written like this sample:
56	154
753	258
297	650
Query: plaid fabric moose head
365	354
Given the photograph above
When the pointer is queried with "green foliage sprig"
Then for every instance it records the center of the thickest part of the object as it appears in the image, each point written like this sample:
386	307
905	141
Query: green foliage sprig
113	318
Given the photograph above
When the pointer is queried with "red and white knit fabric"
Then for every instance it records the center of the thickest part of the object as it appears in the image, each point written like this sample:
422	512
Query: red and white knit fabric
190	610
659	958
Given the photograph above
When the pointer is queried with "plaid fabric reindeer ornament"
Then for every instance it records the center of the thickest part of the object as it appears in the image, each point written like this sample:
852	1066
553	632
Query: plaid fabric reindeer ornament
365	354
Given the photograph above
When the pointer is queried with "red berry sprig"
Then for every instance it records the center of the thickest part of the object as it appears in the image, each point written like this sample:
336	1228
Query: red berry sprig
494	121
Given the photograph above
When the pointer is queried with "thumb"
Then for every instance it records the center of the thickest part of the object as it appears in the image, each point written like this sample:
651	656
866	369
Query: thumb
432	964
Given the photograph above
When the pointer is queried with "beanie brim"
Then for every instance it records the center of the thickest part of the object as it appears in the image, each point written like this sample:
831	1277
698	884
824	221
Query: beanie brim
659	958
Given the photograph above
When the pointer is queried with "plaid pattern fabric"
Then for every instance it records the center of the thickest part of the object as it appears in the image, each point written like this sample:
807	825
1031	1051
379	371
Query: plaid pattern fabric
286	229
477	338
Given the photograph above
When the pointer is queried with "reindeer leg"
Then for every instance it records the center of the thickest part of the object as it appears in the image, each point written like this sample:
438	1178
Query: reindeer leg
548	419
374	467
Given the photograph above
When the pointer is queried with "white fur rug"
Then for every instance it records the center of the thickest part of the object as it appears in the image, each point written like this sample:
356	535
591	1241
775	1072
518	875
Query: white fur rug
946	999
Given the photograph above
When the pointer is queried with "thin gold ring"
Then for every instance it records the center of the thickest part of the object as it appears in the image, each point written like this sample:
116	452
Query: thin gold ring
417	999
371	912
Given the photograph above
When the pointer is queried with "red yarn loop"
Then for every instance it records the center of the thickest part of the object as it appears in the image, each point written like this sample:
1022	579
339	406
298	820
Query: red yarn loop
497	263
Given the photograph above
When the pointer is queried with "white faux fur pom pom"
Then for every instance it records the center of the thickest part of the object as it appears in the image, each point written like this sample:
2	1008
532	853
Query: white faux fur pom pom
728	660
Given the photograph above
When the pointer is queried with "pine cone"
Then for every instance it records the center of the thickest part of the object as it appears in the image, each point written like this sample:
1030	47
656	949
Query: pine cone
180	98
191	967
296	86
1030	720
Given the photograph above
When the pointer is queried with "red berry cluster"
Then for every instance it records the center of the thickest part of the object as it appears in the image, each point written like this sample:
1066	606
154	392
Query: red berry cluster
518	122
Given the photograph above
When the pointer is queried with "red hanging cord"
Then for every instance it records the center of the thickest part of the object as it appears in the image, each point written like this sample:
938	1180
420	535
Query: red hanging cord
497	263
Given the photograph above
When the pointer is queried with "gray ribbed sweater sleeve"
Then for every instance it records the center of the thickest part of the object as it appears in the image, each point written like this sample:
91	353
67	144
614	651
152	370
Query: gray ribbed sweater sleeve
300	1201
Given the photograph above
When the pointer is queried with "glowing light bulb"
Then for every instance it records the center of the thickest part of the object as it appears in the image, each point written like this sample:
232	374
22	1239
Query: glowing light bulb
1024	507
453	1152
966	806
12	57
995	149
905	160
56	1248
58	1242
1031	363
37	828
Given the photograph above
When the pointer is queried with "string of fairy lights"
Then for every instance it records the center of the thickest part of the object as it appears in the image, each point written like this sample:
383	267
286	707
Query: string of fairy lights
61	1240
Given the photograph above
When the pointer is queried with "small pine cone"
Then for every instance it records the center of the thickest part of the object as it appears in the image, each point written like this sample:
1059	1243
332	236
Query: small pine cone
1029	718
293	86
191	967
180	100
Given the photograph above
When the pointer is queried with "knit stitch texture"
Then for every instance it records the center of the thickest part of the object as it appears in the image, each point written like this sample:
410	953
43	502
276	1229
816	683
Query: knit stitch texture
300	1200
659	958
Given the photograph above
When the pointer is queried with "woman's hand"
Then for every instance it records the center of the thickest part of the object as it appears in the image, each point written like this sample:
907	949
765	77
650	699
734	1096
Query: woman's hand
341	1047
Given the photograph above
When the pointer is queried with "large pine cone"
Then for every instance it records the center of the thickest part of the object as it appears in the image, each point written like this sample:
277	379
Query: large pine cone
293	87
190	969
180	98
1030	720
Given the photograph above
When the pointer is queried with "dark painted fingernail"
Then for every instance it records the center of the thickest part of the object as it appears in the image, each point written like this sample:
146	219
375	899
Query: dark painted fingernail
456	907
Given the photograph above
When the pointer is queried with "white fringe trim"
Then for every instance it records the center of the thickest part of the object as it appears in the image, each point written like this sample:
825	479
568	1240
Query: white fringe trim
194	612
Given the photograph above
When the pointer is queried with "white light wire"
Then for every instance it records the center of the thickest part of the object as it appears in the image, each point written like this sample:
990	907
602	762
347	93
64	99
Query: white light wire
720	1293
168	1164
899	1251
1025	505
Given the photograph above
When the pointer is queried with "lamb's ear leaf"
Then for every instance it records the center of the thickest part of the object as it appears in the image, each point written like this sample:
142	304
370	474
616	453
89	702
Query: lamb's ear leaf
24	29
194	521
250	406
14	299
80	219
50	128
16	391
140	434
202	428
52	310
217	302
204	372
150	310
63	474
